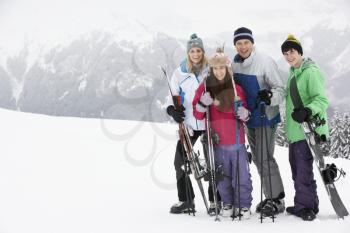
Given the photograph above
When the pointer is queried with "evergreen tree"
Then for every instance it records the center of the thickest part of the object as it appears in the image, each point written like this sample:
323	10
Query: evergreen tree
338	143
335	134
346	128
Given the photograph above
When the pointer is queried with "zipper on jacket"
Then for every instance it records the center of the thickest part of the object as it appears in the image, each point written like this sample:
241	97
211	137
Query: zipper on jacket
184	80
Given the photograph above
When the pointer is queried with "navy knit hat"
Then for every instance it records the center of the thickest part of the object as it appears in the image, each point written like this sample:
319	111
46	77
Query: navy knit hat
292	43
242	33
195	41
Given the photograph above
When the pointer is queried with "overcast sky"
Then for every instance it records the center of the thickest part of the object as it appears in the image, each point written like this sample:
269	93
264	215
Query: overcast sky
51	21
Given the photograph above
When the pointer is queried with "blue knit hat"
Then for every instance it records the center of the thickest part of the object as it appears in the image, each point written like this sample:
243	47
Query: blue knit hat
243	33
195	41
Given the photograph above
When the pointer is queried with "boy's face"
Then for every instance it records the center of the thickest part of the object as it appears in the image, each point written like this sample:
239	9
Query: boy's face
293	58
244	48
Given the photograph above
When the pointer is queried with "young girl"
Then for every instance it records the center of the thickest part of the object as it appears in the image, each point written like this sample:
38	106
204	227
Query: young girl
217	93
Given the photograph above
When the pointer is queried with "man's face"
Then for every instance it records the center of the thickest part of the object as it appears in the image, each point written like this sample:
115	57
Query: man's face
293	58
244	48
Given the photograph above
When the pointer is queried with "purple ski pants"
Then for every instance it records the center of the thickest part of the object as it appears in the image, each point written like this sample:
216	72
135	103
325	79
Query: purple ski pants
232	192
301	163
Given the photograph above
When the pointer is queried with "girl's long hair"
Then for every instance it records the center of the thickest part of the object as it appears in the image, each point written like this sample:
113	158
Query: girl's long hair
221	90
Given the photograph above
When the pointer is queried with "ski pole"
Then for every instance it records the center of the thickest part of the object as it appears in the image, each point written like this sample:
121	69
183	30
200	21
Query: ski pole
237	103
264	136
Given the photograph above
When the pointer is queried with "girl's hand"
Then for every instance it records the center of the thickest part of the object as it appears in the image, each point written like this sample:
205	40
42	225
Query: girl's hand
243	113
206	99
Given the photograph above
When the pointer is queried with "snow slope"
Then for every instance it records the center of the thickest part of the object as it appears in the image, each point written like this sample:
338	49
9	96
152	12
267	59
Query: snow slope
77	175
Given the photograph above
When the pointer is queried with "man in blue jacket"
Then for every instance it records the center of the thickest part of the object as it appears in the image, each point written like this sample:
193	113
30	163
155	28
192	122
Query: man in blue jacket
259	77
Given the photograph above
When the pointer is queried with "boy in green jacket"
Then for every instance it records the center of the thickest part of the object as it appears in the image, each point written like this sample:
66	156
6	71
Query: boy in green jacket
310	83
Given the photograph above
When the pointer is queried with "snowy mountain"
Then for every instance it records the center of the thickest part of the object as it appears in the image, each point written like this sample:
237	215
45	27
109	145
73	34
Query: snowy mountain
98	75
114	73
340	80
330	48
75	175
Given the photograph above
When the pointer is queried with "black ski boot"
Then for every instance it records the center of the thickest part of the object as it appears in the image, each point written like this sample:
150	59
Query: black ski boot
183	207
273	207
290	210
305	214
260	205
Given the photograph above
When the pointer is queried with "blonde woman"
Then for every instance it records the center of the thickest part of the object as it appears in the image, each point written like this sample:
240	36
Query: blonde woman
184	82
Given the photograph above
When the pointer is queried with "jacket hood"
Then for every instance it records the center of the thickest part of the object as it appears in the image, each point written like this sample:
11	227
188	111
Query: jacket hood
183	66
306	64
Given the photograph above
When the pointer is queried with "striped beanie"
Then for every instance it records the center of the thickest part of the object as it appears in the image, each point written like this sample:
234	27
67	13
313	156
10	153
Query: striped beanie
291	43
242	33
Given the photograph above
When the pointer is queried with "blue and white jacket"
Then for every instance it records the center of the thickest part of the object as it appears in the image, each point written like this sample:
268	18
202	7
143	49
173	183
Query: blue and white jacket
185	84
258	72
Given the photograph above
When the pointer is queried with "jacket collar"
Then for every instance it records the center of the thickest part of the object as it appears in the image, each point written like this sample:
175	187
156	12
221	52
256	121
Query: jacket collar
246	62
306	63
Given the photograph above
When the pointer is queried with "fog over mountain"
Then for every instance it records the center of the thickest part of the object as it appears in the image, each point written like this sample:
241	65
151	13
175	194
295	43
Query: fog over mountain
115	74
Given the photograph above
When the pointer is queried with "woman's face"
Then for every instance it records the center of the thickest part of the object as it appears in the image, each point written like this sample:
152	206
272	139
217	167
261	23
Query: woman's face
219	72
196	55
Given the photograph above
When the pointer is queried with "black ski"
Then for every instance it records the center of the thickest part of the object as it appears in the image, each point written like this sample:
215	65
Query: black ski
312	140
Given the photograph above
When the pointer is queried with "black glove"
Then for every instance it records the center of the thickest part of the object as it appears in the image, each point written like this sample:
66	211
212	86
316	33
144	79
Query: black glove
265	96
301	114
177	114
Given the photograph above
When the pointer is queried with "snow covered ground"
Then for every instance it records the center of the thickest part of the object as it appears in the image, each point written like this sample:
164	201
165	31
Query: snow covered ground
76	175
